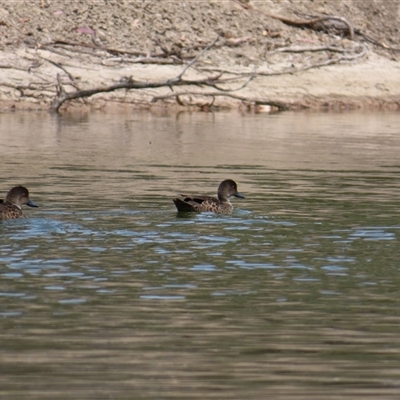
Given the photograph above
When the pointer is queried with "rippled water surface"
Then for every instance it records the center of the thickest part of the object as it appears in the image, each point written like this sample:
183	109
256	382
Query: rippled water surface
105	292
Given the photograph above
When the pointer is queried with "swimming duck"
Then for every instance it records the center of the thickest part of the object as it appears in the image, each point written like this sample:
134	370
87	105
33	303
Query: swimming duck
220	205
10	208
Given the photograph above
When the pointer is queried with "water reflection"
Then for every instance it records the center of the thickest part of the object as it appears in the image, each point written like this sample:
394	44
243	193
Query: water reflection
106	292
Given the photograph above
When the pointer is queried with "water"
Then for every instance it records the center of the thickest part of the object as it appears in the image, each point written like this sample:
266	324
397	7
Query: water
107	293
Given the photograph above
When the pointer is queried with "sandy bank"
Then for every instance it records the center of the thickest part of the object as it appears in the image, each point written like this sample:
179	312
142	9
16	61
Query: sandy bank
97	44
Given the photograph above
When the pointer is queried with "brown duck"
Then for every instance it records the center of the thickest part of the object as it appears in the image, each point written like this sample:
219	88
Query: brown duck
10	208
220	205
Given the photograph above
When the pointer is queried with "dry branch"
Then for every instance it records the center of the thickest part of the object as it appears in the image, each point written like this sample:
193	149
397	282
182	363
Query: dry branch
129	83
312	49
281	106
302	22
144	60
63	96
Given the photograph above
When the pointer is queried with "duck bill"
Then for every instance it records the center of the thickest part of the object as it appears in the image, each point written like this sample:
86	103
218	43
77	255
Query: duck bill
32	204
239	195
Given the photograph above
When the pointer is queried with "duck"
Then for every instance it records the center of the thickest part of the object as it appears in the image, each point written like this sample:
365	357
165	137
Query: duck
218	205
10	208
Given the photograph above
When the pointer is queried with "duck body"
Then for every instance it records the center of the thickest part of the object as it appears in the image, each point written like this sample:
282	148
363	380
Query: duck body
10	208
218	205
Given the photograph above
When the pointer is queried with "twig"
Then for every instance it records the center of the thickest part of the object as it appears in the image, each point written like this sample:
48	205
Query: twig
56	64
148	60
375	42
198	56
92	46
310	49
362	53
223	71
250	78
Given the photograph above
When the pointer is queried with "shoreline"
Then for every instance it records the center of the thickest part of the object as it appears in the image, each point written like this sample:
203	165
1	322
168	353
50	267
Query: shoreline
373	84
